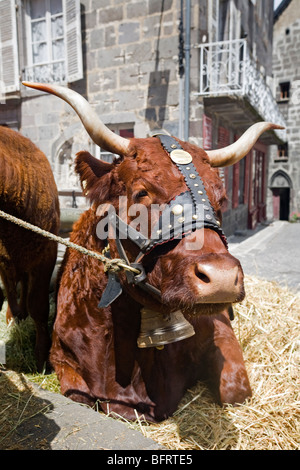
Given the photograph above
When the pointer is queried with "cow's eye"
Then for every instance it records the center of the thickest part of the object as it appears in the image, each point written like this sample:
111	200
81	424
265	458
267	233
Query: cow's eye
140	194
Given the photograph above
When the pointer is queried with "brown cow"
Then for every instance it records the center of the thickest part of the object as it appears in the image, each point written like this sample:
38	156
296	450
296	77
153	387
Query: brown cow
95	346
27	191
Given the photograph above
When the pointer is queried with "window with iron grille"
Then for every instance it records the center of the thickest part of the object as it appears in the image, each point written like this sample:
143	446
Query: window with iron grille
52	51
53	41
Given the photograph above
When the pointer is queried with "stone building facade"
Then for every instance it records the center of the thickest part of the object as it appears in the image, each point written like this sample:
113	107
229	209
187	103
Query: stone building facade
125	57
284	167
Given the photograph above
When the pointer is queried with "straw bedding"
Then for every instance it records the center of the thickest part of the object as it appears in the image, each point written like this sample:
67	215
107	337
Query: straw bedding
267	324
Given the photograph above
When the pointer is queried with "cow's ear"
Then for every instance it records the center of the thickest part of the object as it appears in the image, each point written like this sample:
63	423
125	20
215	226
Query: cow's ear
91	171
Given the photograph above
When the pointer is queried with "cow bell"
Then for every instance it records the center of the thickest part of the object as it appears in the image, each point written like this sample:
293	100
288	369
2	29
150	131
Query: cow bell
158	329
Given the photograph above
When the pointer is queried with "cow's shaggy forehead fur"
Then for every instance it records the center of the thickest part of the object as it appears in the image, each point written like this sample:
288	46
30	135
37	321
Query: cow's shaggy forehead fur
152	158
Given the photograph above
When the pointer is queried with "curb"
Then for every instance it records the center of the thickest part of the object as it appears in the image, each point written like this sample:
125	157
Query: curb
58	423
77	427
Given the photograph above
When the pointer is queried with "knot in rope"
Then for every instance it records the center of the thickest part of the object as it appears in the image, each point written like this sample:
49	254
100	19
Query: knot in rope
114	265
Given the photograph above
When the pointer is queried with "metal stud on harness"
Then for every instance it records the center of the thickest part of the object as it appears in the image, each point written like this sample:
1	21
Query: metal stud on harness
186	213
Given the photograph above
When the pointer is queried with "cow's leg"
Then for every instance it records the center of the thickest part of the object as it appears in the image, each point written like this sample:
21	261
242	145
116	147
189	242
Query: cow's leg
19	311
72	384
1	299
38	308
228	374
23	295
10	281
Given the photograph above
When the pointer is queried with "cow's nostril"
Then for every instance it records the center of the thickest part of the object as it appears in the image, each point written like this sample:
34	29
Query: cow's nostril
202	276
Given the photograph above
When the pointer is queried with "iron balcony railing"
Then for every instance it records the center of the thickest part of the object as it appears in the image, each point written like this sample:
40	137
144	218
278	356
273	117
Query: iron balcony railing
226	68
54	72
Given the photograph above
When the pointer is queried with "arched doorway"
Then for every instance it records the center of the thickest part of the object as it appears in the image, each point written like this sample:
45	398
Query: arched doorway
281	186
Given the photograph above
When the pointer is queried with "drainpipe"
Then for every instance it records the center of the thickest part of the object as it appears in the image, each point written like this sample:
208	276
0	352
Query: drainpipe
187	69
181	74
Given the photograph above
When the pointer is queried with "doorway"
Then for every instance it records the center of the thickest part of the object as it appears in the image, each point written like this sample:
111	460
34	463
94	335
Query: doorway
281	203
281	190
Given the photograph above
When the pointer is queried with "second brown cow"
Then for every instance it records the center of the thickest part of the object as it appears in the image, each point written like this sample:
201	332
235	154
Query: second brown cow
27	191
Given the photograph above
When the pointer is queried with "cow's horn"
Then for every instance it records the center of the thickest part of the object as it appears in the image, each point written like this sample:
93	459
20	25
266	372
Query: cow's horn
97	130
235	152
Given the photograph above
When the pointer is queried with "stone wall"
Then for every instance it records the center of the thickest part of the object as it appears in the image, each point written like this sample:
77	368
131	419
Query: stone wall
131	57
235	220
286	68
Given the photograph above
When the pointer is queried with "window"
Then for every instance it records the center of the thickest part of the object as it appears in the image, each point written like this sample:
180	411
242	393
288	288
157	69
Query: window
282	151
230	24
53	41
123	130
213	20
46	41
284	90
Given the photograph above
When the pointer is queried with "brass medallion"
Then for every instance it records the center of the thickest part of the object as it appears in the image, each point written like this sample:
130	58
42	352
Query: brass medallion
181	157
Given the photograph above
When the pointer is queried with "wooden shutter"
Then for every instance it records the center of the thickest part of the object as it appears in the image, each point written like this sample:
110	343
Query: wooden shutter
73	40
9	47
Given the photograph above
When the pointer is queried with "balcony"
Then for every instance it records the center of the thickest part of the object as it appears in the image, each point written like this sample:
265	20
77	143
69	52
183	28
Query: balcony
232	86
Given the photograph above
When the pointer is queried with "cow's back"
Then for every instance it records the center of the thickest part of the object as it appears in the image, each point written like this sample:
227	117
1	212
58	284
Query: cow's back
27	186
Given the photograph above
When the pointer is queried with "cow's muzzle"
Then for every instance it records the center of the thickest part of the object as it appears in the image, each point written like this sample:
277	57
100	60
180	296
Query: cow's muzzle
218	279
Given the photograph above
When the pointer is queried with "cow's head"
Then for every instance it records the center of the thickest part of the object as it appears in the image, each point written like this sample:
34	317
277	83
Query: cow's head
193	271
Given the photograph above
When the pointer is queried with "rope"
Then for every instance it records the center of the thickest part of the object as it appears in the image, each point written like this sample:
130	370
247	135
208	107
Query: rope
113	265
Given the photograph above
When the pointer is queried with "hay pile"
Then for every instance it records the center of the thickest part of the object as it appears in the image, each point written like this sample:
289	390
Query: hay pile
267	325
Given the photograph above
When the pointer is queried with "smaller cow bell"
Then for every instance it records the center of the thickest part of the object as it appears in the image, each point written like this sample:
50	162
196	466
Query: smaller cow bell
158	329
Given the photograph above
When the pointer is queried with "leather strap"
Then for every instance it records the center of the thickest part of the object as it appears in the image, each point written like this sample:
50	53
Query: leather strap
195	185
